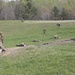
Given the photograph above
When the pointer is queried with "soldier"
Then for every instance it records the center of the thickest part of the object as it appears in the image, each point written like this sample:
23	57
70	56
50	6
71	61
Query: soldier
22	19
1	42
55	36
44	31
58	24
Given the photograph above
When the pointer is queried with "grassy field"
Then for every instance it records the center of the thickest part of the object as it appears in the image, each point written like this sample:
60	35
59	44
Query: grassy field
38	60
16	32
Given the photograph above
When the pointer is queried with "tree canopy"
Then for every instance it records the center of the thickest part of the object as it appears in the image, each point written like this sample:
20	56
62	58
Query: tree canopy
37	9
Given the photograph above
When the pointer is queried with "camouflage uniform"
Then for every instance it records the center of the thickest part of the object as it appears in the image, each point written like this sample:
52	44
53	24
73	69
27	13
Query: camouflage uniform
1	42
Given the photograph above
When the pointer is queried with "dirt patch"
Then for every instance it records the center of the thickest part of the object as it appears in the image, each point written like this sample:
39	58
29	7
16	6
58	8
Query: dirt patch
60	42
15	49
10	50
57	42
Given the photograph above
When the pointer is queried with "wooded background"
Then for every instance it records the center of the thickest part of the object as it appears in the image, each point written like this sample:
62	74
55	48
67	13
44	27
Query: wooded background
37	10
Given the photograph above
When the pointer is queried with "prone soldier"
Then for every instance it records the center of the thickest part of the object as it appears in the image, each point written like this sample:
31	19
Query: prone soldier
58	24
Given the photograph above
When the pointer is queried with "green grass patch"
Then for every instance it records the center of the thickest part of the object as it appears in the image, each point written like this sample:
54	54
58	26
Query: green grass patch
40	60
37	60
16	32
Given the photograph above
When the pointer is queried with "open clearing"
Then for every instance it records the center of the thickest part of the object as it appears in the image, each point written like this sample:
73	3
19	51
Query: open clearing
48	57
9	51
52	21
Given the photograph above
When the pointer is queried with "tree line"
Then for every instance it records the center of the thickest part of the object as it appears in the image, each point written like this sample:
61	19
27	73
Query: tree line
28	10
